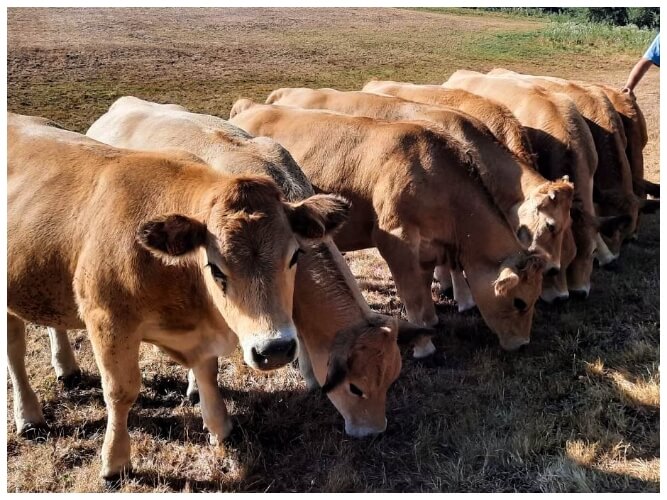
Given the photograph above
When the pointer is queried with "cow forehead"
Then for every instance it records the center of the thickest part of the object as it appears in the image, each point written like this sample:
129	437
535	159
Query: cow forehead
257	238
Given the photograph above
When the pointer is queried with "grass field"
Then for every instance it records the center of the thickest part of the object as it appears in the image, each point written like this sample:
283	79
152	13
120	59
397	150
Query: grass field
577	410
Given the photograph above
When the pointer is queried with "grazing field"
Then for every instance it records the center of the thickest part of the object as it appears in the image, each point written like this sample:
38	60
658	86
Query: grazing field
576	410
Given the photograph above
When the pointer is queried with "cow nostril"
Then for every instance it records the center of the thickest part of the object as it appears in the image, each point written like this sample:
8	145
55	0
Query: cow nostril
259	358
553	272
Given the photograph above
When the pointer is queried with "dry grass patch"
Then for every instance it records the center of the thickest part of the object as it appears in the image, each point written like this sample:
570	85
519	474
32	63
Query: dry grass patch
576	410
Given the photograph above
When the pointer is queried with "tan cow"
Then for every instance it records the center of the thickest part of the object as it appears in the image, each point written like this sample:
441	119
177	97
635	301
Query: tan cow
530	202
613	184
416	196
564	146
498	118
634	125
325	287
141	246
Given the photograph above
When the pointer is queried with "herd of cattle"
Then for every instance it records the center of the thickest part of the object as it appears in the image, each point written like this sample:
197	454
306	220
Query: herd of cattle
197	234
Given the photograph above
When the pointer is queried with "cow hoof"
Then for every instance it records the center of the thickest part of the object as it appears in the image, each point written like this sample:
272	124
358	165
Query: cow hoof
436	360
112	483
71	380
34	430
611	266
193	397
579	294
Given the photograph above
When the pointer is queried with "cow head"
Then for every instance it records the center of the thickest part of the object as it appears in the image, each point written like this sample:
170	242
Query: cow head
246	243
506	296
364	361
545	215
611	202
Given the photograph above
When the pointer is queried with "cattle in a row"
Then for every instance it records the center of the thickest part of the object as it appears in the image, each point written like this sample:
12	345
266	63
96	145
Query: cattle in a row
197	234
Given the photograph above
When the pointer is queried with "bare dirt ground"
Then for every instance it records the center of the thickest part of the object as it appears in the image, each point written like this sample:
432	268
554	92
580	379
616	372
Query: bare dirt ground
578	410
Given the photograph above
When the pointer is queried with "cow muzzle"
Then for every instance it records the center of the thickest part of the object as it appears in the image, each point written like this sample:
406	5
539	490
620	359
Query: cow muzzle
364	430
271	353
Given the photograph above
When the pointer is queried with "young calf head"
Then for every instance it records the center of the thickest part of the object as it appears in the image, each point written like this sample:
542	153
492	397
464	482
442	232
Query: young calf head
546	216
364	361
247	247
506	296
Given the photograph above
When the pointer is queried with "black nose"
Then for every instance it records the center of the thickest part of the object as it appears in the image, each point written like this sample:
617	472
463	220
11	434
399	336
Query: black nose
552	272
272	354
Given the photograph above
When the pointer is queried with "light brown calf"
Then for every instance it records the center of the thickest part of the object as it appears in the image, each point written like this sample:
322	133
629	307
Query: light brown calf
333	319
634	125
613	190
564	146
498	118
529	201
146	247
417	196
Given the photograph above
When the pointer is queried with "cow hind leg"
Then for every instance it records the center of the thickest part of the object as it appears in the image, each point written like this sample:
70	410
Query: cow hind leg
27	410
62	358
402	257
192	392
213	408
116	352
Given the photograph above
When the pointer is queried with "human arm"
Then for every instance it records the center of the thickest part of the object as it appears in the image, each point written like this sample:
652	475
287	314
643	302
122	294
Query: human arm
636	75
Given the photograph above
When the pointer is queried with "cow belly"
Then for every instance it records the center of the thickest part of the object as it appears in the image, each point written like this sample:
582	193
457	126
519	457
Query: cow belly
193	346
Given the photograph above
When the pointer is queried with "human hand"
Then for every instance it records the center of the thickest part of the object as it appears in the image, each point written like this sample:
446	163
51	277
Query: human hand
627	90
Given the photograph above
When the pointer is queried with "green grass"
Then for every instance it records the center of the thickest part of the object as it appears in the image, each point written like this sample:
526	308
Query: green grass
556	39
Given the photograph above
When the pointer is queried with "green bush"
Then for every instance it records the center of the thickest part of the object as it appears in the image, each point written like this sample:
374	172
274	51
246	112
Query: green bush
645	17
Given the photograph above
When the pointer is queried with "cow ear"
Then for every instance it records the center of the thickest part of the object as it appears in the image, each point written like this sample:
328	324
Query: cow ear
336	372
649	206
171	236
507	280
408	333
608	225
318	216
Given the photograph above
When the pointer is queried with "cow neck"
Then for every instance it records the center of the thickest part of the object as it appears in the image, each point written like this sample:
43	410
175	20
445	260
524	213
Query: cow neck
326	297
482	235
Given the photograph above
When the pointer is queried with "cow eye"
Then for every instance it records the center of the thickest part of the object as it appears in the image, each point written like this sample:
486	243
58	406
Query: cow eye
218	275
551	227
520	305
295	257
356	391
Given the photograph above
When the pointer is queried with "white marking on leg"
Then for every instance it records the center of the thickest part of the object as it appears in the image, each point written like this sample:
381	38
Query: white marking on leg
27	410
604	255
462	294
62	357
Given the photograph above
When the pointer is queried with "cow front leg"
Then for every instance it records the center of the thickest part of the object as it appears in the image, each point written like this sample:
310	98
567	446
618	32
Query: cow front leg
62	357
213	408
462	293
27	410
306	367
401	252
117	356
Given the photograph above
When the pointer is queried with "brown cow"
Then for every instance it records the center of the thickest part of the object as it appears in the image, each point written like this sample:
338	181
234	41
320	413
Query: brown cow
325	287
416	196
138	246
530	202
634	125
613	186
498	118
564	146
